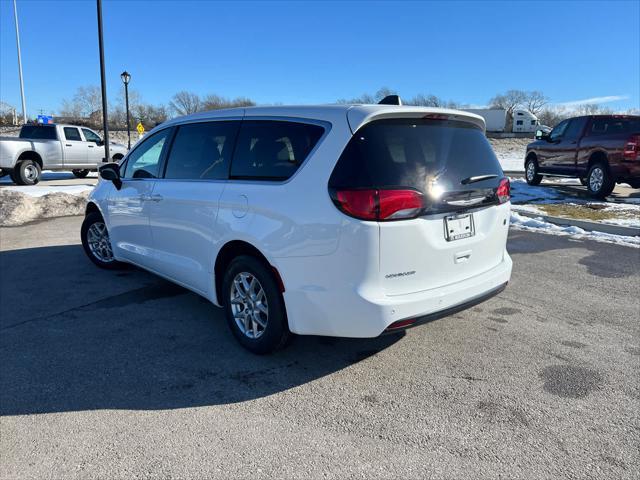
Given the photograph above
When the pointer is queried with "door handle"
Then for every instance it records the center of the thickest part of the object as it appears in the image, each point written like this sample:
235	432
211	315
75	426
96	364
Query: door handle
90	146
68	145
150	198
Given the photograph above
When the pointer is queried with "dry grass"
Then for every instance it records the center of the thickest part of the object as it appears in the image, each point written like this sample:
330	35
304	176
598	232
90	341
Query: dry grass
595	212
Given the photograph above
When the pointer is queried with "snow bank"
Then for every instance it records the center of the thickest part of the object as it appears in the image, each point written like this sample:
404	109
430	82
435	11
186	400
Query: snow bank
17	208
42	190
510	152
520	222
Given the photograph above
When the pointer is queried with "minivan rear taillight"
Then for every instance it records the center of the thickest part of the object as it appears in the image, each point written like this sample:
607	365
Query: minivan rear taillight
379	204
632	148
504	191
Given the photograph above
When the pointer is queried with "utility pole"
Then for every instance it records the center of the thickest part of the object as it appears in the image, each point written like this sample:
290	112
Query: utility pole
103	81
24	108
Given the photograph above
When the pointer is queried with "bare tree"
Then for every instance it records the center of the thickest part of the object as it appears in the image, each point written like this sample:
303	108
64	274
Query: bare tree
422	100
509	101
185	103
535	101
85	106
592	109
216	102
384	92
365	98
7	114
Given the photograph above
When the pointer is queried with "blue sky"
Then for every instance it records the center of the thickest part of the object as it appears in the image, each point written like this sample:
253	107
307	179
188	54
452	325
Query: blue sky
302	52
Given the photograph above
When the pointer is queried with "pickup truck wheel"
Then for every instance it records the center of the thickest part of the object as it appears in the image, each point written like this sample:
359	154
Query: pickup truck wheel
599	180
26	172
80	173
96	242
531	172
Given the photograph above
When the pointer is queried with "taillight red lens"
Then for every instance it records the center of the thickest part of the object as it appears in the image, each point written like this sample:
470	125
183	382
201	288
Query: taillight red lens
504	191
396	204
380	205
358	203
632	148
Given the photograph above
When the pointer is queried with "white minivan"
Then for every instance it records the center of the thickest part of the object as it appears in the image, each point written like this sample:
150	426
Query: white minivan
341	220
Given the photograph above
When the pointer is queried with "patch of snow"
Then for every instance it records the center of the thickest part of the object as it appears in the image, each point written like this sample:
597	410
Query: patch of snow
17	208
510	162
40	191
522	192
520	222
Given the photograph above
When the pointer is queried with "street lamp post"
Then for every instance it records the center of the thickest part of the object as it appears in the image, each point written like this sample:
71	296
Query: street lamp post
125	76
103	84
24	108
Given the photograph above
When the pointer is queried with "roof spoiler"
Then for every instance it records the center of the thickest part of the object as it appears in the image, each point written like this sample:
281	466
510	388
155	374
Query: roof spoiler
391	100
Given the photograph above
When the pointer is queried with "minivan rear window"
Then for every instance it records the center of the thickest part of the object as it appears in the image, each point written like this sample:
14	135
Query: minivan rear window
443	159
431	156
37	132
272	150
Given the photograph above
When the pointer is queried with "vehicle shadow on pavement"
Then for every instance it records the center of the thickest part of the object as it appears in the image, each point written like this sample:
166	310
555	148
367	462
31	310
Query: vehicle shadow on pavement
74	338
581	192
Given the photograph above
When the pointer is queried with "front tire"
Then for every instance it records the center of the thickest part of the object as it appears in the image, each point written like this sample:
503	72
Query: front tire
531	174
80	173
600	183
254	306
96	242
26	172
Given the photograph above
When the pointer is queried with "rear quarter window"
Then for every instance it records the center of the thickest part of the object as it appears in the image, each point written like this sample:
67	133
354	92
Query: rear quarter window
613	125
37	132
272	150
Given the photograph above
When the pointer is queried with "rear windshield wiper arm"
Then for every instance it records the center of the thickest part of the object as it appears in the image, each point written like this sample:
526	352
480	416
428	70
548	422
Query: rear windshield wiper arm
477	178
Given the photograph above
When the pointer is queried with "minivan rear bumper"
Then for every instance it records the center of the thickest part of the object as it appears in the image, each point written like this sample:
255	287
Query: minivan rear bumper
365	311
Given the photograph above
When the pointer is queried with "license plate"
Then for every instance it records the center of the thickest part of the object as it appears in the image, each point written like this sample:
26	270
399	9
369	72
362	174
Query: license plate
458	226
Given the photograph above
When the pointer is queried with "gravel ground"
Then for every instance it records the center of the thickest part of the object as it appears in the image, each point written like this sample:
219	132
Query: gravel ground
122	375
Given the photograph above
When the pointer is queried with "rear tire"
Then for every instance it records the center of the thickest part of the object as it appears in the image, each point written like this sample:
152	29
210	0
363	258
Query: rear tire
95	244
600	183
26	172
531	174
80	173
254	306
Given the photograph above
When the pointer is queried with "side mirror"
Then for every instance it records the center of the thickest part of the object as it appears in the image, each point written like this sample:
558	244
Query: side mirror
541	135
100	143
111	172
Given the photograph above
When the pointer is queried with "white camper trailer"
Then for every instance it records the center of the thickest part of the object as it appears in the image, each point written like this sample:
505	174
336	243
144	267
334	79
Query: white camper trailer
524	121
495	118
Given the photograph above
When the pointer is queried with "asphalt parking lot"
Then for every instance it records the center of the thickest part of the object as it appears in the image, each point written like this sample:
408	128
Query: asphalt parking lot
123	375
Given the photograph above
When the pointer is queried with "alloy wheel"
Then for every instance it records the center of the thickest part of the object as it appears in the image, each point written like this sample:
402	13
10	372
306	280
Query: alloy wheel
99	243
531	171
249	305
596	179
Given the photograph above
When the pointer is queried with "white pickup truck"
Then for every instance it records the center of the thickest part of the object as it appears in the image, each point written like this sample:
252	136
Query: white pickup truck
53	147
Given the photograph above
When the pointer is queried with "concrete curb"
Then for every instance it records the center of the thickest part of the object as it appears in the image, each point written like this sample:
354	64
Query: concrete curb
585	225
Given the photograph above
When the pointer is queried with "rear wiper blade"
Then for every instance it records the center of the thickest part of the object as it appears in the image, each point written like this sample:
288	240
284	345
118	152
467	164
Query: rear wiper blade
477	178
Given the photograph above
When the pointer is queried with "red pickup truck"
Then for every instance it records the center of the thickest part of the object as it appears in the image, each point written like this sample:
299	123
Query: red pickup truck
600	150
